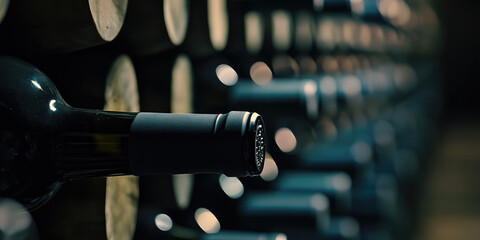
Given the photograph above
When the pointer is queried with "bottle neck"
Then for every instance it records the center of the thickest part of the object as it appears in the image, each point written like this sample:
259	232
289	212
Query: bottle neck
94	144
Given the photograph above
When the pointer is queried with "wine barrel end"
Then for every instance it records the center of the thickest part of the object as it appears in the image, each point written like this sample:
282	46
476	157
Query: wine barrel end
108	16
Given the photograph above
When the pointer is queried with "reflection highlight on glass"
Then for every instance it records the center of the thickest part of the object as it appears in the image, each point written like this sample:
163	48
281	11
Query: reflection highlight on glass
281	236
362	151
285	140
163	222
342	182
270	169
358	6
351	85
207	221
36	84
232	186
310	89
226	74
261	73
319	202
328	85
51	105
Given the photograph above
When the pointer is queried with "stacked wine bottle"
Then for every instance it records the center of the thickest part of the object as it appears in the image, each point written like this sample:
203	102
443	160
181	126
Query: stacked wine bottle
214	119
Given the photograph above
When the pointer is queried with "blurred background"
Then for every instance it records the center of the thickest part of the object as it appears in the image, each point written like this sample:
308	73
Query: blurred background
449	202
369	106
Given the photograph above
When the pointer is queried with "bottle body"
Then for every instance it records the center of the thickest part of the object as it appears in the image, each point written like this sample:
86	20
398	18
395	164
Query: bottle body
63	144
45	141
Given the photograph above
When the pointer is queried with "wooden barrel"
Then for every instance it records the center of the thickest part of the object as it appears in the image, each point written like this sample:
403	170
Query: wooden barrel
153	26
57	26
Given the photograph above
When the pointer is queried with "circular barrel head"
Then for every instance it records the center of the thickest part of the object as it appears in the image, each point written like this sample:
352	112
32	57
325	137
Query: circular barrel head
108	16
122	192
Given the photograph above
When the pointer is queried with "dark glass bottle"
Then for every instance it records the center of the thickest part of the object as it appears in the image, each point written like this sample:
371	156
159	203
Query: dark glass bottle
239	235
44	141
305	215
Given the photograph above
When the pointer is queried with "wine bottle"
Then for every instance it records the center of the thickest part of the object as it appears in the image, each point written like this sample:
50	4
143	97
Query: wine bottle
81	88
343	228
170	195
165	85
299	214
46	142
110	84
58	26
219	86
335	185
356	158
374	191
201	225
214	213
221	194
286	102
113	202
376	200
280	212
